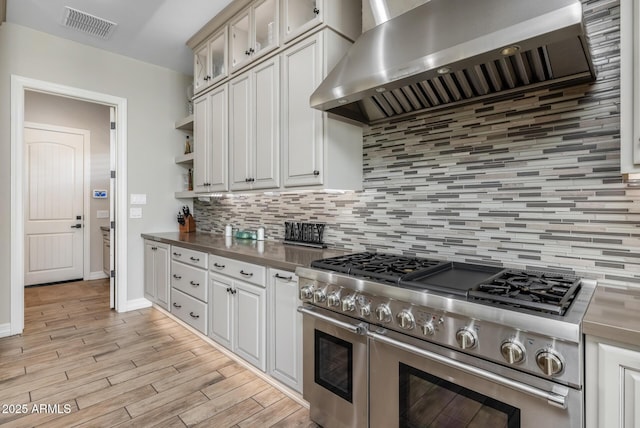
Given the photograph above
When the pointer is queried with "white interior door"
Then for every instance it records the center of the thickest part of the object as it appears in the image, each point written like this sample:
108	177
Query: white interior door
54	203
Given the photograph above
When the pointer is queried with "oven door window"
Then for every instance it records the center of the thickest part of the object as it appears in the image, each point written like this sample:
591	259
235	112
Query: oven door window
427	400
334	365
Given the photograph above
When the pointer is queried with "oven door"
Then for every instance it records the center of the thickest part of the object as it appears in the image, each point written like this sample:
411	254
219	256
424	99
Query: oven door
335	364
418	384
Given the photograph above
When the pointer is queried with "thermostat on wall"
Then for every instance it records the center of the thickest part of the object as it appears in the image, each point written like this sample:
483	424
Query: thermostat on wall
99	194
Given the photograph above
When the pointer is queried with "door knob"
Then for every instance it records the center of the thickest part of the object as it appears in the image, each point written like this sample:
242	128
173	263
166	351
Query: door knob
77	226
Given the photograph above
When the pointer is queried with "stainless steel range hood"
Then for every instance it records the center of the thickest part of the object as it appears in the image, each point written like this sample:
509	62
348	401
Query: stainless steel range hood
447	52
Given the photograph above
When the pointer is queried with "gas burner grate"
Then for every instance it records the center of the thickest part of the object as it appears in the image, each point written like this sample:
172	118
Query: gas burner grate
539	291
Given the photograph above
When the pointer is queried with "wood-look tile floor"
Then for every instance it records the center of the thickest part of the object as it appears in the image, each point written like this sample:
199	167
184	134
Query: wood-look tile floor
79	363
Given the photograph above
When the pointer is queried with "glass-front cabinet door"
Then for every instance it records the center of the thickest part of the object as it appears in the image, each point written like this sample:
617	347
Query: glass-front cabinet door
210	61
265	24
200	68
218	56
300	16
240	40
253	33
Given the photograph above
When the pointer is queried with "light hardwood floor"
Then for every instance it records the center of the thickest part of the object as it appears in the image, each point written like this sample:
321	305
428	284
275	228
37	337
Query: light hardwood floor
90	366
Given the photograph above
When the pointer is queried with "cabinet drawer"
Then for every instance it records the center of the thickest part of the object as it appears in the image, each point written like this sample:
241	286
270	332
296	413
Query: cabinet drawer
189	310
247	272
189	279
195	258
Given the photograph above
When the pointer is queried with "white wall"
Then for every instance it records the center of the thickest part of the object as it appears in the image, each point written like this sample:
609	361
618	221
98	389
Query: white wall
61	111
155	97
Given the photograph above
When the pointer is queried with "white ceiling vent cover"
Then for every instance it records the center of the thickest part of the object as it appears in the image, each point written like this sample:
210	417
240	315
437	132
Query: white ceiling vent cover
86	23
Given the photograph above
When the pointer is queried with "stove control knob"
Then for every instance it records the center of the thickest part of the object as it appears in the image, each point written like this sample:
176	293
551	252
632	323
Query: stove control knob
550	362
365	310
306	293
334	299
405	319
467	338
513	352
428	329
383	313
349	304
319	296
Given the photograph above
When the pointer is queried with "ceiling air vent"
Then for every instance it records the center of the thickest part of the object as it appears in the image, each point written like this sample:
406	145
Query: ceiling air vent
86	23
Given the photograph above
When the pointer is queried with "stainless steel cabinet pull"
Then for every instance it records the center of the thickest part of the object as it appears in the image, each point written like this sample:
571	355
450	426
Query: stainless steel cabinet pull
219	266
177	276
249	274
177	254
194	315
175	305
194	259
195	284
286	278
359	329
558	399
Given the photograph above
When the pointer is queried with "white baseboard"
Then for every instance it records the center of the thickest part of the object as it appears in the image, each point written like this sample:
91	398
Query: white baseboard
5	330
135	304
96	275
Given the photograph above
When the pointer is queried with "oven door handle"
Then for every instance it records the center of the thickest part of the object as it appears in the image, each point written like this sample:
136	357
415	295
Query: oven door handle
555	399
359	329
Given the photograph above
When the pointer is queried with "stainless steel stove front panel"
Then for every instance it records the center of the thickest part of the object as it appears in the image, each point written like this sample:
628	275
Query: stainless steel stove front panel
438	319
563	328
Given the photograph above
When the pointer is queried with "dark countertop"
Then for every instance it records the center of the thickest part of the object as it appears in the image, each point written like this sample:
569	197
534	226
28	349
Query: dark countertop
614	313
273	254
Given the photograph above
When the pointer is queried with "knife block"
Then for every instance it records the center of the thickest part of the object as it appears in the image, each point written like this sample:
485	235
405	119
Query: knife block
189	225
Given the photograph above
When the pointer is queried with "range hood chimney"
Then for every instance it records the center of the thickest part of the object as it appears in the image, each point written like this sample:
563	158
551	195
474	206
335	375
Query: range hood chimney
448	52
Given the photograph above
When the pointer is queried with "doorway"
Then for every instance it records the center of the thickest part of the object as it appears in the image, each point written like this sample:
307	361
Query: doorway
118	162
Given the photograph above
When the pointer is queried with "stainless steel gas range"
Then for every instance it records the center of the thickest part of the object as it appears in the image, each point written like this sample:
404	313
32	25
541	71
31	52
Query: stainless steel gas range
401	341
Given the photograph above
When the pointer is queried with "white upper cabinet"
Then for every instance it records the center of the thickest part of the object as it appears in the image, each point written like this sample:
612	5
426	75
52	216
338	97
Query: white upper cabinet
300	16
318	151
275	139
254	128
210	61
211	142
630	89
253	33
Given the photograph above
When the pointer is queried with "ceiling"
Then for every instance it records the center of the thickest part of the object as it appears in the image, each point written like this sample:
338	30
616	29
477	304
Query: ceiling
153	31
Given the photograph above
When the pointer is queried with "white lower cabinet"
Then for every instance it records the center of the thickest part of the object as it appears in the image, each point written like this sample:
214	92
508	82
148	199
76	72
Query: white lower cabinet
285	329
250	317
189	295
612	384
189	309
156	272
221	329
238	316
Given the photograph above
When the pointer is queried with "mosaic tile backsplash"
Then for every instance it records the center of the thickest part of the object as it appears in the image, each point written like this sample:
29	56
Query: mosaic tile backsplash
527	181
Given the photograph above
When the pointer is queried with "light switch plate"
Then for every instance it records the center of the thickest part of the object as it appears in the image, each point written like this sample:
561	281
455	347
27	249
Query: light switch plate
135	212
138	199
102	214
